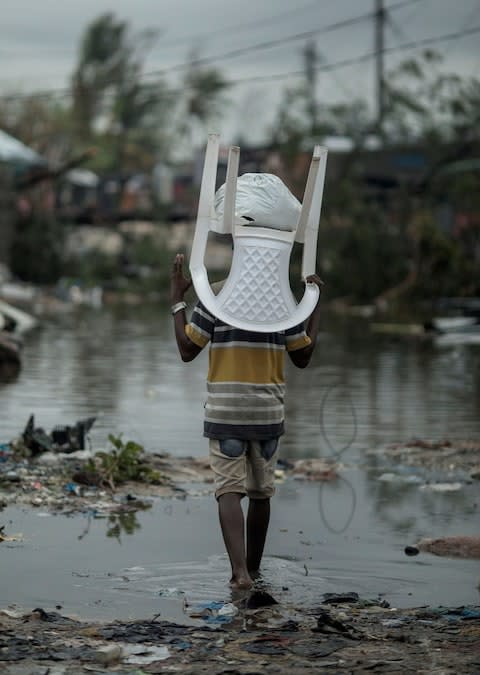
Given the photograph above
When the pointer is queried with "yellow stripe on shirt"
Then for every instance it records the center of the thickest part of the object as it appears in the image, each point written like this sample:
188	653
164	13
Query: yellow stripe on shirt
246	364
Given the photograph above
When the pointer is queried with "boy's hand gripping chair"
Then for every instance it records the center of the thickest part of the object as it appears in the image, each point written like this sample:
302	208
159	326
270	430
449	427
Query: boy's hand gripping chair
256	296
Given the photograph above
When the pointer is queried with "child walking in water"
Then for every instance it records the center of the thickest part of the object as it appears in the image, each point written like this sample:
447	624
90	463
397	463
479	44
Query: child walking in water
244	415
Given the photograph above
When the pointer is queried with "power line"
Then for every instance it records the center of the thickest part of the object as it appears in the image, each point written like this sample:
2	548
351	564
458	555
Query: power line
240	27
338	25
325	67
466	22
269	44
364	57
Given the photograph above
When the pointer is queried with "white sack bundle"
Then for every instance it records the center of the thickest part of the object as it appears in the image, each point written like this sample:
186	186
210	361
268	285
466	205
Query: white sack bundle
264	199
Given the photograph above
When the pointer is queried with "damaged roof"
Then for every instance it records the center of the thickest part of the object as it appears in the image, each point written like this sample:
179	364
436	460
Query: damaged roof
13	151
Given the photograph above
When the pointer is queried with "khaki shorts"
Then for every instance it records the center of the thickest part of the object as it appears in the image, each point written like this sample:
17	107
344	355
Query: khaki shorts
245	467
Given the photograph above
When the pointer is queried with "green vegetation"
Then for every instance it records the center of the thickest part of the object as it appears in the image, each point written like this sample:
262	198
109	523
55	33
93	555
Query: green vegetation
122	463
36	249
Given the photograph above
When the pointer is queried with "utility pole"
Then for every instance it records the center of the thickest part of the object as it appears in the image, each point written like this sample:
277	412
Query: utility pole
380	16
310	59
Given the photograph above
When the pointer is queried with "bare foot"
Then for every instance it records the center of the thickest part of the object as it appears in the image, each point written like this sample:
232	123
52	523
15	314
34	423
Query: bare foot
241	582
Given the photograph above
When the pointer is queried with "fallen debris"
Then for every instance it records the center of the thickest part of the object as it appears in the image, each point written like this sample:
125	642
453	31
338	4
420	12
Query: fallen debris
65	438
449	547
316	469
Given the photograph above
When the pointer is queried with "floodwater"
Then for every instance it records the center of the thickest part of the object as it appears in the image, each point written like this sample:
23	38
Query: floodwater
360	392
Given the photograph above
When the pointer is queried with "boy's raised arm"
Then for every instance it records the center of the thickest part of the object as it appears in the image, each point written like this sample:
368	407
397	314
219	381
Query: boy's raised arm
179	285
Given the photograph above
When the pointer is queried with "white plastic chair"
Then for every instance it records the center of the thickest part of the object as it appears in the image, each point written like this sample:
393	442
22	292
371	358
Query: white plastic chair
256	296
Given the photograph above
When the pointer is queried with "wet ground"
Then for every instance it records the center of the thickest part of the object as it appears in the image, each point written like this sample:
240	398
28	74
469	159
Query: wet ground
337	592
150	548
97	559
349	637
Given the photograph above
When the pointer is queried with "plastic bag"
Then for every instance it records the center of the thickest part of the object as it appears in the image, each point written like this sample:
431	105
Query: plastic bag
264	199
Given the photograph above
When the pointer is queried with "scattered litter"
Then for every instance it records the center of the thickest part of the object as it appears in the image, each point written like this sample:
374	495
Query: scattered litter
109	655
35	440
314	470
170	592
144	654
442	487
462	613
13	537
73	488
398	478
339	598
326	623
214	612
139	632
228	609
441	456
396	623
5	451
13	613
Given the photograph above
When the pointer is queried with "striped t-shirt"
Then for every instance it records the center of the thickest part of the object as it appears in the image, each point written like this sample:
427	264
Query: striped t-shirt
245	383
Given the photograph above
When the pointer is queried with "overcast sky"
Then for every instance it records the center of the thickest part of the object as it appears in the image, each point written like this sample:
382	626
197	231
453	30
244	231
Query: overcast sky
39	43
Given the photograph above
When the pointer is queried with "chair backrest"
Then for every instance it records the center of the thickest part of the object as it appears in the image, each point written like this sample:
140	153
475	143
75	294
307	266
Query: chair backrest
256	295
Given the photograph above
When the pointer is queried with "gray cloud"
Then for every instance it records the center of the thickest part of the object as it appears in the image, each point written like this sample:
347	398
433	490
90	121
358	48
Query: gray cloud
39	41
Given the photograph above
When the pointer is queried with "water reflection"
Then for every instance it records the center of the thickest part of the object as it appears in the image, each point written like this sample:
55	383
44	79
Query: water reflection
121	521
398	390
344	416
337	520
404	500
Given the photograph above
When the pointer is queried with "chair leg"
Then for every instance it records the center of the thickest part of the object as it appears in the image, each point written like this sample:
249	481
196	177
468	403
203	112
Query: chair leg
309	258
308	196
230	190
209	176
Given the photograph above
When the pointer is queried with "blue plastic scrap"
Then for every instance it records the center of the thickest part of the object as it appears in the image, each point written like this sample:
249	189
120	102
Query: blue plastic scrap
214	604
462	613
5	451
73	488
209	612
210	618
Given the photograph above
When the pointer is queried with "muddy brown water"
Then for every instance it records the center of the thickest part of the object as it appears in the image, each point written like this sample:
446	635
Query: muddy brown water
360	392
